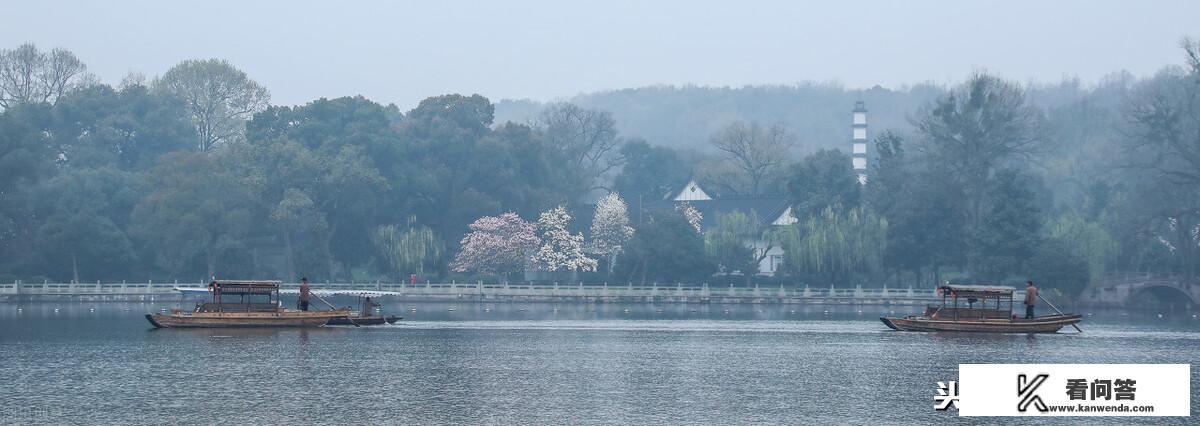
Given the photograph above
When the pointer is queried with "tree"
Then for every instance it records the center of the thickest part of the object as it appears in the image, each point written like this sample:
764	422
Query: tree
442	157
1085	240
926	225
756	150
734	243
98	126
649	172
1163	149
837	245
86	213
353	151
665	248
516	166
196	218
891	175
561	250
610	229
219	98
28	75
821	180
587	137
1011	228
298	221
407	250
496	245
1056	265
972	132
25	161
693	217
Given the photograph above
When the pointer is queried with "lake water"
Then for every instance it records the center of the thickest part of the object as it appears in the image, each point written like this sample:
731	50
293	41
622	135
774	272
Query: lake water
521	363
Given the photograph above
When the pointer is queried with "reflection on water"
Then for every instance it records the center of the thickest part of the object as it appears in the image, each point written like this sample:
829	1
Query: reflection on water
519	363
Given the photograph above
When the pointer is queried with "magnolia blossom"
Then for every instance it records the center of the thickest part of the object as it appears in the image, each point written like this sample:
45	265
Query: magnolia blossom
610	226
692	215
496	244
561	250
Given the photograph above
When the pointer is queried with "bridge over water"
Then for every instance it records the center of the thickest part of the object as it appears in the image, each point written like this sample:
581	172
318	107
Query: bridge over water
1136	290
1123	290
478	291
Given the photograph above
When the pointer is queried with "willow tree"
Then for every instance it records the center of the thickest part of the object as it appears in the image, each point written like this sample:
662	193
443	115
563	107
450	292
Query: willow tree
837	244
408	249
739	242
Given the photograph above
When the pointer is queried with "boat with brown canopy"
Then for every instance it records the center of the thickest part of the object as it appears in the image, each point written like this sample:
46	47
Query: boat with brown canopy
987	309
223	311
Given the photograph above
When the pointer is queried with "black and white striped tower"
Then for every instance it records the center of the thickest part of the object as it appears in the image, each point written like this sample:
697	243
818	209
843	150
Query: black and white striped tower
858	147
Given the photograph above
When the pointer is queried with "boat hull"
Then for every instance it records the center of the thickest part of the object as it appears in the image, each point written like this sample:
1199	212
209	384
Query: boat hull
1046	324
243	319
371	320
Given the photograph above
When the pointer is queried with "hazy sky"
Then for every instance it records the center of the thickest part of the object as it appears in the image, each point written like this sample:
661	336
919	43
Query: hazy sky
405	51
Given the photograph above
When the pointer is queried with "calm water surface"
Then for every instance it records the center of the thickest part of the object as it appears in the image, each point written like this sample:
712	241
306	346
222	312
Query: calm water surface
521	363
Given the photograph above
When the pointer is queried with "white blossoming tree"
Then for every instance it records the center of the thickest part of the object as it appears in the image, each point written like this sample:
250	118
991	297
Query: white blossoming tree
610	229
561	250
496	245
692	215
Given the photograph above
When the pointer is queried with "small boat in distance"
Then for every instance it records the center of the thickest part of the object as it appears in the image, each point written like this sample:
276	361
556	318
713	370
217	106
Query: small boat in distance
993	315
245	312
364	320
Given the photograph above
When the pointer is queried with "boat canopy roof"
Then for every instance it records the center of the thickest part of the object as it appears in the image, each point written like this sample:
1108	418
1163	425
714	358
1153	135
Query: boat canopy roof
988	290
245	286
356	293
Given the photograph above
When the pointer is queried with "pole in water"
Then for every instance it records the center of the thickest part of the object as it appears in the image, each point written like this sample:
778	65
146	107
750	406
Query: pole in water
335	308
1059	312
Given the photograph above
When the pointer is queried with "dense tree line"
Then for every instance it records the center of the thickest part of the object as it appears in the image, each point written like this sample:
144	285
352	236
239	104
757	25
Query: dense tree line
194	174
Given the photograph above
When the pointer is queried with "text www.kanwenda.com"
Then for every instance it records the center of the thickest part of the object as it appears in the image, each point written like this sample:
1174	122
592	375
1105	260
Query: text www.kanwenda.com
1080	408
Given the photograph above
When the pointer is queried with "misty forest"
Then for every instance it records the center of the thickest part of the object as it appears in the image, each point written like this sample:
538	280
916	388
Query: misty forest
194	174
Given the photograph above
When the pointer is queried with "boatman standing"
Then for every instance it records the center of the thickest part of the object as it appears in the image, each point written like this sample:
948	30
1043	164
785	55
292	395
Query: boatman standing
368	308
1030	299
304	289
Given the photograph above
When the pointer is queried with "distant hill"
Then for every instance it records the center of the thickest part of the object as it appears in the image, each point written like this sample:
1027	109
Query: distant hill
685	116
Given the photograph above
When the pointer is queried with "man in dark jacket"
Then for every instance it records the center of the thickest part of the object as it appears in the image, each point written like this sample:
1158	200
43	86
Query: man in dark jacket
1030	299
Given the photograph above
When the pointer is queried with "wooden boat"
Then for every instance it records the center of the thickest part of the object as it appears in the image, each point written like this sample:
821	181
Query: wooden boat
367	320
993	314
222	312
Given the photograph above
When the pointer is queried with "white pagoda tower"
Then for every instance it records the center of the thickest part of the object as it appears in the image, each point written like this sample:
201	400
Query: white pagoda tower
858	148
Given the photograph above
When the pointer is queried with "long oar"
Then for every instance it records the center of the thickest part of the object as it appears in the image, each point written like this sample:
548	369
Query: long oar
1059	312
334	308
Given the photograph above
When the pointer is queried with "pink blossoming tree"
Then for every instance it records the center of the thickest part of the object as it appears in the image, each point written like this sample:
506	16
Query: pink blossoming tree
496	245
